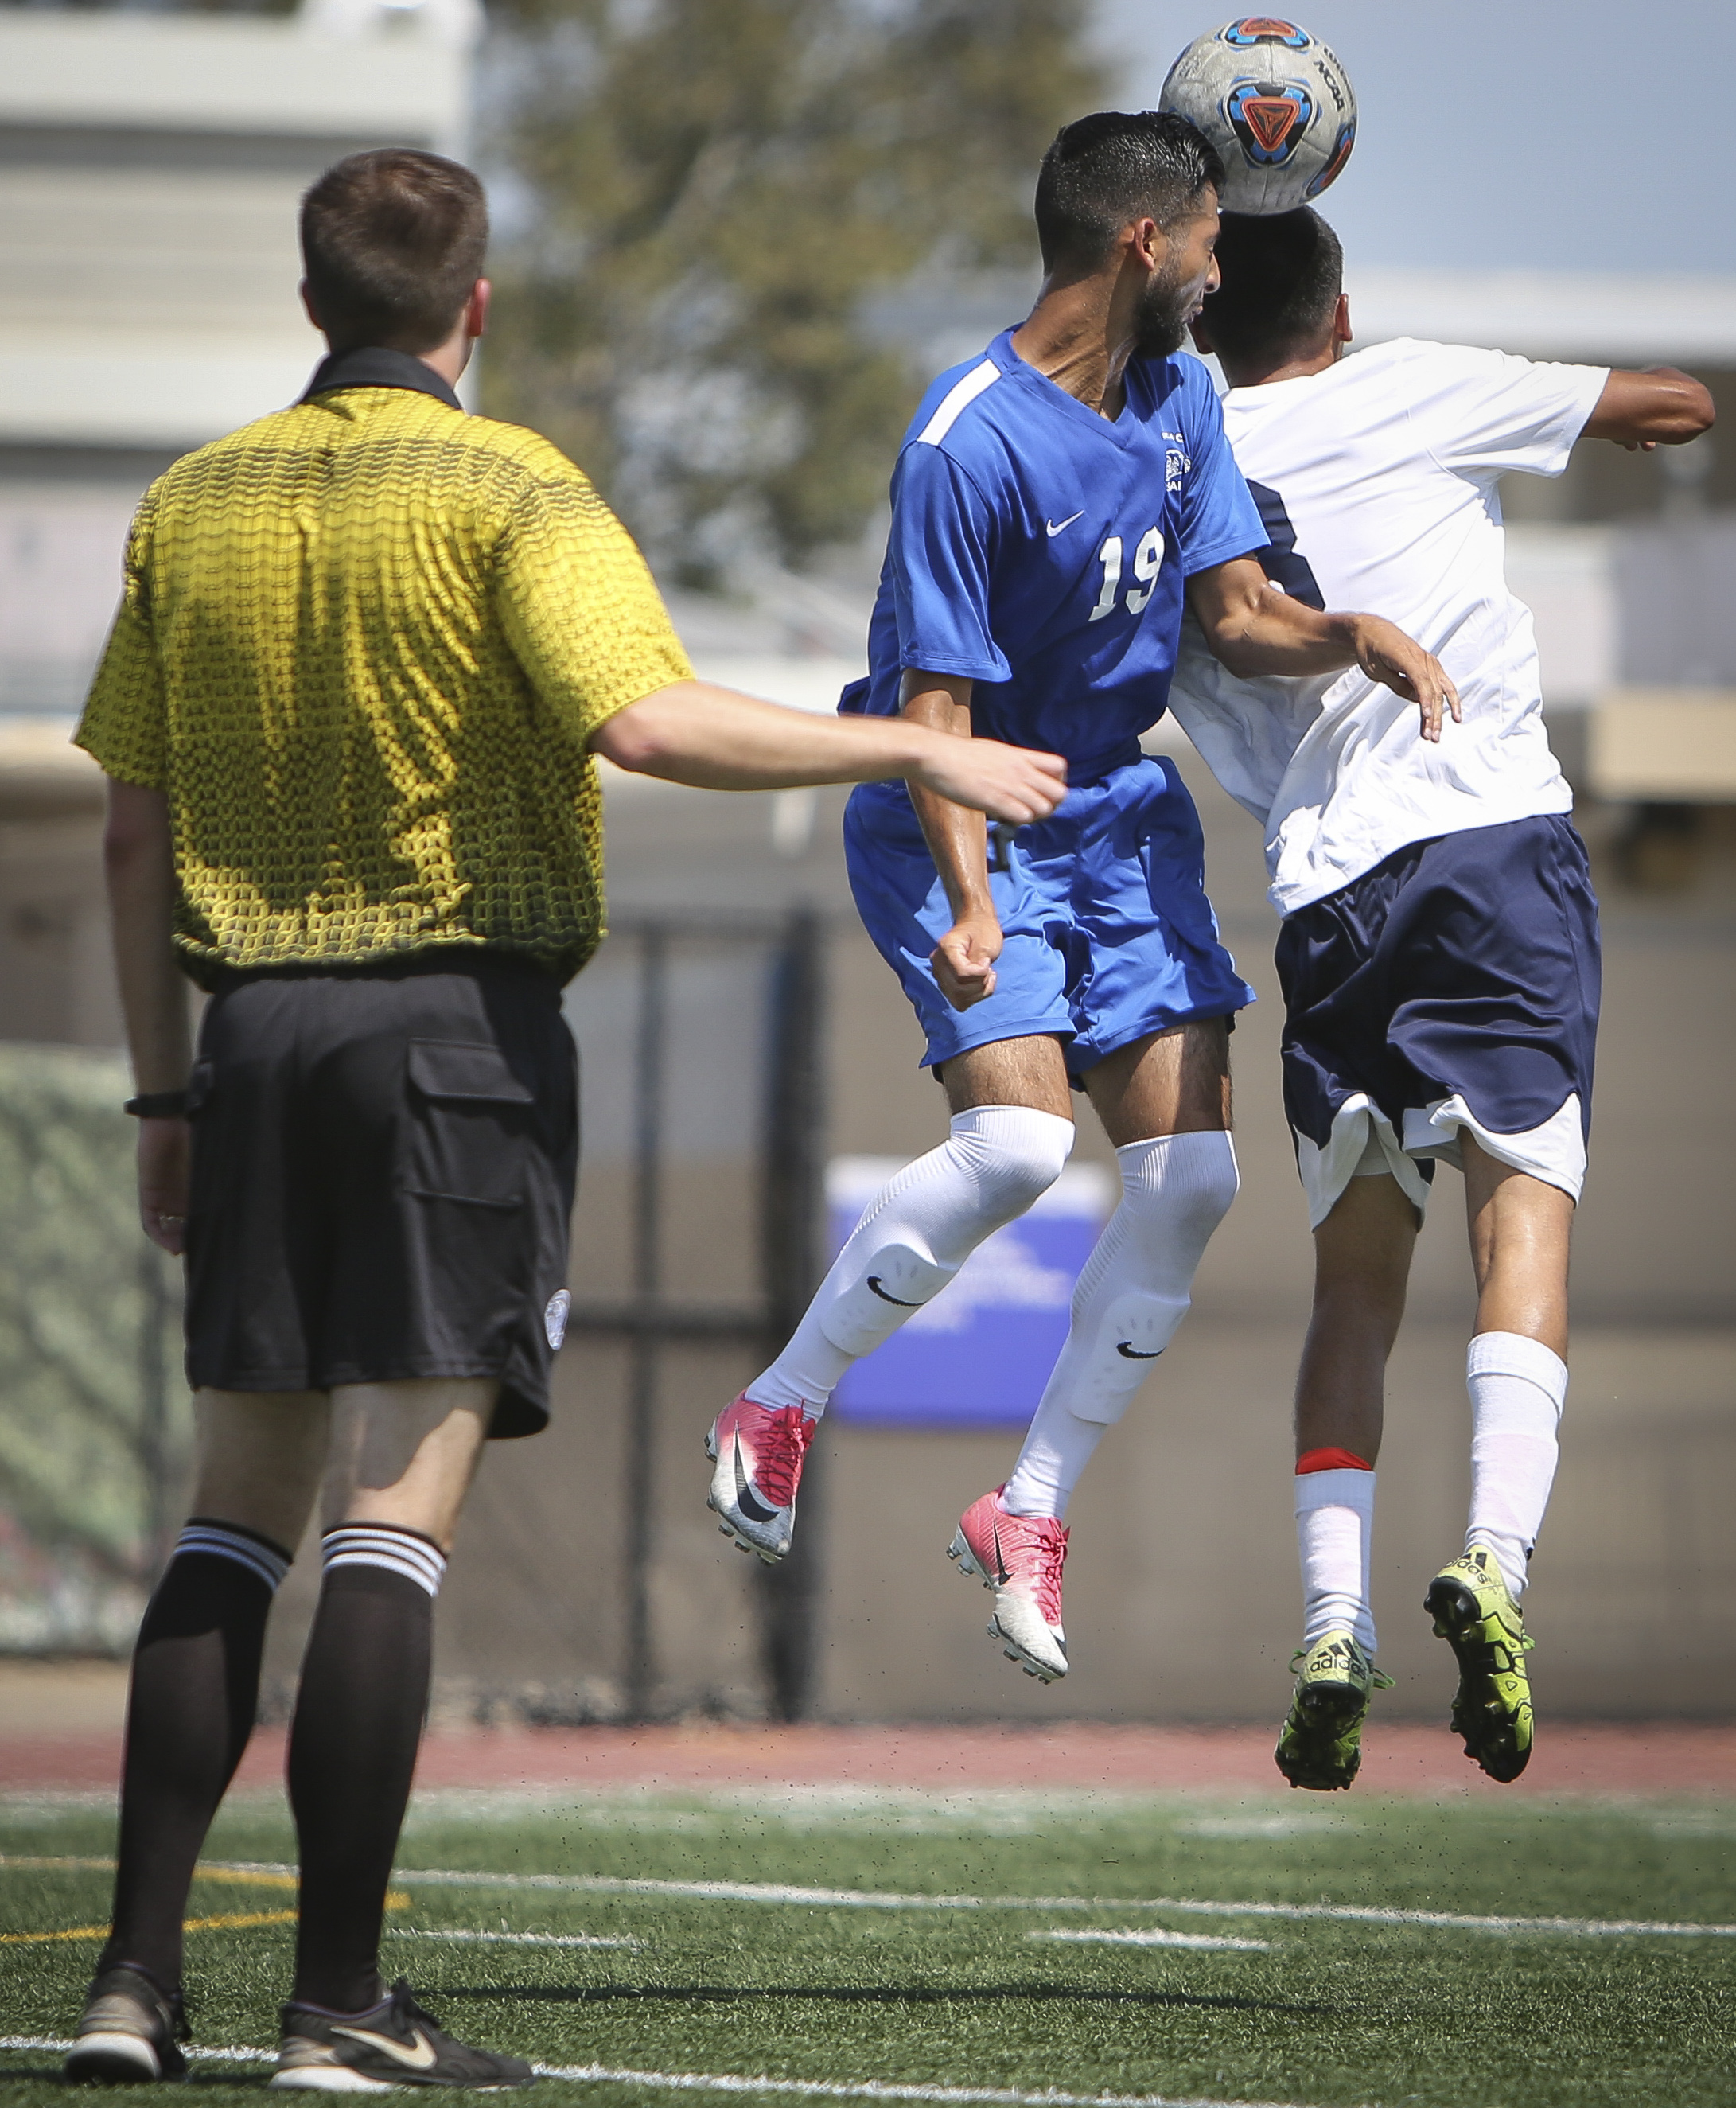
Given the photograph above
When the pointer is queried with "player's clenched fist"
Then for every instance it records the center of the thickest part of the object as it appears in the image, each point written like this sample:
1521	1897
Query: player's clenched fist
963	960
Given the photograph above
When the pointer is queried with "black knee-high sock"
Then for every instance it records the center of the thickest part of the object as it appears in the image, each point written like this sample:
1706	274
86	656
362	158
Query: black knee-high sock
358	1719
196	1688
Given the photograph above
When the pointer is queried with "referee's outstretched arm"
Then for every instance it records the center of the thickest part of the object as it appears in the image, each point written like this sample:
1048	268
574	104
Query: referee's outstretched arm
718	739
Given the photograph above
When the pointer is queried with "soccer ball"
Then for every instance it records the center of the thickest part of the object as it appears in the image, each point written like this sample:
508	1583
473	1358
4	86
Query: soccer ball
1276	104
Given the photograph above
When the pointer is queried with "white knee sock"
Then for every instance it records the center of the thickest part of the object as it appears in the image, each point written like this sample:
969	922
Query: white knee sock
1131	1298
1517	1388
1334	1523
913	1237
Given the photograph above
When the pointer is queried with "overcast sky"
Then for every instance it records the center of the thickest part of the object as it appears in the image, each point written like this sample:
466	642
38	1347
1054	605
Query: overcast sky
1583	134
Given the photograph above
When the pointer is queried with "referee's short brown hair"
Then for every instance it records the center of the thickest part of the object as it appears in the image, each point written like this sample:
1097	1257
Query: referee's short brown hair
393	241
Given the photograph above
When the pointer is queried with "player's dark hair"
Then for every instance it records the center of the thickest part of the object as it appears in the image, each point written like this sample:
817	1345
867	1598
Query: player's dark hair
1104	172
1281	276
393	241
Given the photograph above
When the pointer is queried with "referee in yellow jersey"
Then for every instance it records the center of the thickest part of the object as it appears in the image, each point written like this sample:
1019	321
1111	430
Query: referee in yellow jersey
368	649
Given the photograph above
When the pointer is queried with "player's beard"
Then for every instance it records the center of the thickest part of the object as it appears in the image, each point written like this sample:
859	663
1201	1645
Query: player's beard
1161	319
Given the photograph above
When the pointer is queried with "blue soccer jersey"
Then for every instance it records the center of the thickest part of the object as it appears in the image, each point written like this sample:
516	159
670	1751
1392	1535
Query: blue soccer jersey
1042	550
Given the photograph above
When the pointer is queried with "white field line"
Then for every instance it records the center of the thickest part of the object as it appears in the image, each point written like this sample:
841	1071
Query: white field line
512	1938
759	1892
208	2056
765	1892
730	2082
1154	1938
706	2082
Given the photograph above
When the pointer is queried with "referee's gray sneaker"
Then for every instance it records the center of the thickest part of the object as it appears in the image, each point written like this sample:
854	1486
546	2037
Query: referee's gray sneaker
395	2043
129	2033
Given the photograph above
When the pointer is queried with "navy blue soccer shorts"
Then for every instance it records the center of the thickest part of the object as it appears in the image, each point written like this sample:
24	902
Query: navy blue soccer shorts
1107	933
1454	987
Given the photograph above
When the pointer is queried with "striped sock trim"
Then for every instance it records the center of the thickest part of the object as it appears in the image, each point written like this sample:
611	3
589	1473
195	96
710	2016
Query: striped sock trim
221	1540
384	1545
1330	1460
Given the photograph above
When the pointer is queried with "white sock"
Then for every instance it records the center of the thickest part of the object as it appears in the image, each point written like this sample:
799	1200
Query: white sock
913	1237
1334	1523
1131	1298
1517	1388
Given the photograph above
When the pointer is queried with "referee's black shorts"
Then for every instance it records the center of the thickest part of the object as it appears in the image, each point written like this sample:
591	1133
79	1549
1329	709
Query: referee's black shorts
384	1162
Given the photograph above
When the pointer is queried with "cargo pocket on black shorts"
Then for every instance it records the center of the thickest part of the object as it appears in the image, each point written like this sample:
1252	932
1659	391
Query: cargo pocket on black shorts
466	1170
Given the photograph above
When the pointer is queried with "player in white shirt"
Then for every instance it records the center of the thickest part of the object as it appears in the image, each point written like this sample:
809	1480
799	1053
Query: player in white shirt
1439	950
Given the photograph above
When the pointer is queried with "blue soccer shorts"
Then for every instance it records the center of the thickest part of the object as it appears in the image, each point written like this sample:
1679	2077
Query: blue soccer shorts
1107	933
1453	988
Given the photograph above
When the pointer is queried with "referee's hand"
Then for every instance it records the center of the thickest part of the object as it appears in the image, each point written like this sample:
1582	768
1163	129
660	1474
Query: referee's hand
165	1154
1012	784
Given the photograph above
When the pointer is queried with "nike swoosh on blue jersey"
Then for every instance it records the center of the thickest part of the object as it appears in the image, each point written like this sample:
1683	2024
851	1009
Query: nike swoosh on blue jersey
1054	526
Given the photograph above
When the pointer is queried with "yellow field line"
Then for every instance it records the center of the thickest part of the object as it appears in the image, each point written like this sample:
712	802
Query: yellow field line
242	1881
91	1866
231	1921
193	1925
238	1917
237	1877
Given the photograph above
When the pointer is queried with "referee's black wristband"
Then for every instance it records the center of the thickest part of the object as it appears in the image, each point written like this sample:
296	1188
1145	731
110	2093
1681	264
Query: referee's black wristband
157	1105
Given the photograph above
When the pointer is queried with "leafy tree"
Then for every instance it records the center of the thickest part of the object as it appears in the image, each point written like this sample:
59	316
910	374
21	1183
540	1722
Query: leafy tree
710	190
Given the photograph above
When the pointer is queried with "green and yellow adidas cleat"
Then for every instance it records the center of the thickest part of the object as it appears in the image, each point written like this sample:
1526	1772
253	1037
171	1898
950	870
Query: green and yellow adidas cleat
1319	1746
1476	1617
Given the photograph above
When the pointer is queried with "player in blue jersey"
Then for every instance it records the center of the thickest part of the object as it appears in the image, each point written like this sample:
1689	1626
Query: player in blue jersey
1056	502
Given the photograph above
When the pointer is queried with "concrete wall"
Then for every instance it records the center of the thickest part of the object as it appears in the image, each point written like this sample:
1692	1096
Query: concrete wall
1182	1593
1181	1596
150	169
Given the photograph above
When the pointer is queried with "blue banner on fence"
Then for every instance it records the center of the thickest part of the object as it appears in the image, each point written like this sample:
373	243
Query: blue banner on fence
979	1354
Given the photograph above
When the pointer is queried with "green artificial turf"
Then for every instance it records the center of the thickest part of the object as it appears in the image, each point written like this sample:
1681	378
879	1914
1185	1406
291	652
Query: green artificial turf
1333	2011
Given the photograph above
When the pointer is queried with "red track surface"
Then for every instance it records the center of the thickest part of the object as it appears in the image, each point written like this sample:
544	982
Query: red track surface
1641	1760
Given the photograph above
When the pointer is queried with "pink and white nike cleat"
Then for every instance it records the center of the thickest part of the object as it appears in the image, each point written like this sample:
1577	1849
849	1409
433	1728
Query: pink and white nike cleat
1020	1557
759	1451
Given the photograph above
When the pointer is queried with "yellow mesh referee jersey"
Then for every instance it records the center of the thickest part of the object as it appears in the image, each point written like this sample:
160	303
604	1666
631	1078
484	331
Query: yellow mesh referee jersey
362	646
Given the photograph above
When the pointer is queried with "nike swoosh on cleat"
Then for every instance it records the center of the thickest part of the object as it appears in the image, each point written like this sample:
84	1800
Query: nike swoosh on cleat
751	1506
1054	526
874	1283
1000	1563
422	2058
1126	1348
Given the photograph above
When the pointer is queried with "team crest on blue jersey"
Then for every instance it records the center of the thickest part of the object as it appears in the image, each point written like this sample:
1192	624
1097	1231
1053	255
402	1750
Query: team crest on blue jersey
1265	29
1177	465
1268	118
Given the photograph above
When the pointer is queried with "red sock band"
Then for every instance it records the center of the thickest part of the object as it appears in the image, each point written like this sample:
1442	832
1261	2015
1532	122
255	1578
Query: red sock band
1331	1460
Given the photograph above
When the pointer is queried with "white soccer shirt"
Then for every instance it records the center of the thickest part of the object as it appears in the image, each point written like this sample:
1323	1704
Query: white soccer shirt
1380	474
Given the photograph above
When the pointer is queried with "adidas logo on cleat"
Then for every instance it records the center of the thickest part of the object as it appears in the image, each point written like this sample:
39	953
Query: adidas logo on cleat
1492	1710
1319	1746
